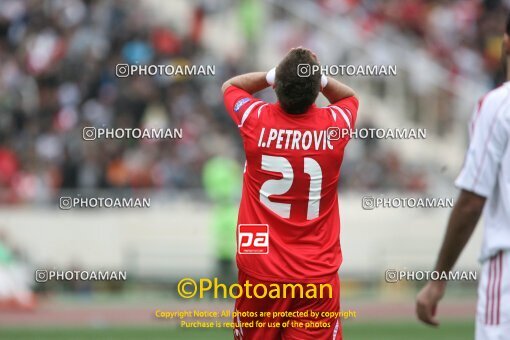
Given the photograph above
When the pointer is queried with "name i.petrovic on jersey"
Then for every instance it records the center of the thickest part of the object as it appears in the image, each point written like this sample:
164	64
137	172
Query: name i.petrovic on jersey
294	139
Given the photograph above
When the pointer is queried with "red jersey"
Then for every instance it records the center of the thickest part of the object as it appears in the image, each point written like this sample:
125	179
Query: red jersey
290	185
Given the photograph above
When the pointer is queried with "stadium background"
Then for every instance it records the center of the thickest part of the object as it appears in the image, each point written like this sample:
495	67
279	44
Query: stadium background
57	75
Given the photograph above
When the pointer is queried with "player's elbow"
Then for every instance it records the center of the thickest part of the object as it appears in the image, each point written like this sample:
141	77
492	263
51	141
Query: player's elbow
352	93
225	86
355	95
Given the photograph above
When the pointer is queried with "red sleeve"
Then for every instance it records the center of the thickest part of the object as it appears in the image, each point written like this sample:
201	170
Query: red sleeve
240	104
347	108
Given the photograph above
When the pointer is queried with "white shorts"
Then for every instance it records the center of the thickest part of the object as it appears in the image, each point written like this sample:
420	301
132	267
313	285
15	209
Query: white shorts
493	308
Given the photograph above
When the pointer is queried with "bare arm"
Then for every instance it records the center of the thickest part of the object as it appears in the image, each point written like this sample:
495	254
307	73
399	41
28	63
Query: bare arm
249	82
336	91
462	223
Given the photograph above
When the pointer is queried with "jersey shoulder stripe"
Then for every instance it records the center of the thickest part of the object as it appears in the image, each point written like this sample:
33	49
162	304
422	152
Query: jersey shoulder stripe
343	114
260	110
248	111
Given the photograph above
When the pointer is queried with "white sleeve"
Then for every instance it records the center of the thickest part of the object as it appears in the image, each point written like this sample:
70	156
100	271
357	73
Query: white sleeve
489	138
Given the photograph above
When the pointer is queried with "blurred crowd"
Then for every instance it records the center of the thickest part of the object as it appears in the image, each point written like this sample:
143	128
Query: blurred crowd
57	75
462	35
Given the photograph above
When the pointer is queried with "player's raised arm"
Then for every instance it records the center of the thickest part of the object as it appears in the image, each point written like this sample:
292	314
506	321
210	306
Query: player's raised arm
249	82
335	91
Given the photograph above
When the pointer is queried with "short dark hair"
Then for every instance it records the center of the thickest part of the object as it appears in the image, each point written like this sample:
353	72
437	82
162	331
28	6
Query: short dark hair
297	90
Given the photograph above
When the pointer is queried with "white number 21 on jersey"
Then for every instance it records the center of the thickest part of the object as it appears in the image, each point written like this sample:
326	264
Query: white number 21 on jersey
281	186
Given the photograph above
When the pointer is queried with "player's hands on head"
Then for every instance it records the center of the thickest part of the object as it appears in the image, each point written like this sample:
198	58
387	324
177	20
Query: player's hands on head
427	301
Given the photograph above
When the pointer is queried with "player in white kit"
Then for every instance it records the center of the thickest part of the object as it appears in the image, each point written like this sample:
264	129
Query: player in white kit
485	187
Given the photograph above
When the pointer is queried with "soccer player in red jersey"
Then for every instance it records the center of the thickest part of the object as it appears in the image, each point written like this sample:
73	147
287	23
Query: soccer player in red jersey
289	223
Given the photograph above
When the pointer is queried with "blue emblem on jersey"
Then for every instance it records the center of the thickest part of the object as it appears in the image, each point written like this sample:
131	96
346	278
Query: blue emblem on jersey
240	103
